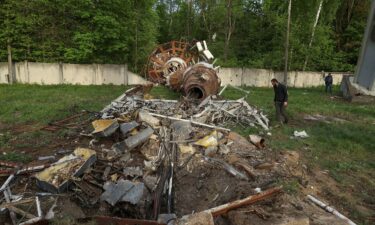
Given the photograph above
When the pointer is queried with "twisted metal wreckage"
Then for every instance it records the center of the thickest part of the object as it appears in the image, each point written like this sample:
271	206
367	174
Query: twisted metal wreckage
186	67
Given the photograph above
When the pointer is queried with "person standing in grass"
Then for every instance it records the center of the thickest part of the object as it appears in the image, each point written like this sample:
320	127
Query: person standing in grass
280	100
328	81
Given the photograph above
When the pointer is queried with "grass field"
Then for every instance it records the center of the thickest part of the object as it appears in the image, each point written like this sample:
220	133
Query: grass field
346	149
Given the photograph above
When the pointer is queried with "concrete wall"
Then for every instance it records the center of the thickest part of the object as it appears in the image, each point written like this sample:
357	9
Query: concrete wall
262	77
3	73
97	74
55	73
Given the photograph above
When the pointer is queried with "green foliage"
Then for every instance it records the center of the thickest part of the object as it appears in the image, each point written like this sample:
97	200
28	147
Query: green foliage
86	31
249	33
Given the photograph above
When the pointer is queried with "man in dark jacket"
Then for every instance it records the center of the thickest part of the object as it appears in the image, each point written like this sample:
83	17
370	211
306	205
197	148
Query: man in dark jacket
281	100
328	80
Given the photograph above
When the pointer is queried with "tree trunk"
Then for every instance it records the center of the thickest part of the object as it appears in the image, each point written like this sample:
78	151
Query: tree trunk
287	44
136	38
312	34
230	29
10	63
189	19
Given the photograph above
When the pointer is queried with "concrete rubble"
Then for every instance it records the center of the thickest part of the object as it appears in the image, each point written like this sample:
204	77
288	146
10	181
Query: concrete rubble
154	161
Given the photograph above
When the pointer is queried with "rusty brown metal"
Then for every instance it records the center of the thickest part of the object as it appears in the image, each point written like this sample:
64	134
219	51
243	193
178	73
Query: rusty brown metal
168	58
182	67
222	209
175	80
200	81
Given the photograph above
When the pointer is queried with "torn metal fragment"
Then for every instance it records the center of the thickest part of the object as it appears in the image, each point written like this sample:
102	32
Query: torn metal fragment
125	128
104	128
56	178
114	192
135	194
123	191
133	171
138	139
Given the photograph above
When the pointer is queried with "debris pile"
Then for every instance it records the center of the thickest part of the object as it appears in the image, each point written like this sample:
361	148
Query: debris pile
153	161
211	112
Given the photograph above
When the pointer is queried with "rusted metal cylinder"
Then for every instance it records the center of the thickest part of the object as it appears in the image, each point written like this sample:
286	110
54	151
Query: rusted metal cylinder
174	81
174	64
200	81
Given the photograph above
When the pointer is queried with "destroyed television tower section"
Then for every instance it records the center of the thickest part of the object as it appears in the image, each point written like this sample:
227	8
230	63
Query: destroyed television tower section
186	67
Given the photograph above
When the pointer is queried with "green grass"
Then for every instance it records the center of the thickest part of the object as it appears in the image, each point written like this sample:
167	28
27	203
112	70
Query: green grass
22	103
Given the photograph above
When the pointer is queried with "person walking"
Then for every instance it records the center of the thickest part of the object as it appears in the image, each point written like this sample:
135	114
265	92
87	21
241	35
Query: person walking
280	100
328	80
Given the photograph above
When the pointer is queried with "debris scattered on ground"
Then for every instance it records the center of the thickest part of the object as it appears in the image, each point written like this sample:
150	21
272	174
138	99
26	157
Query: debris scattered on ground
211	112
300	134
56	178
148	160
70	122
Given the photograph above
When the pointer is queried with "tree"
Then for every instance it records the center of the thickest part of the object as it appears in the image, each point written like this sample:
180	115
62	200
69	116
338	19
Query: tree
249	33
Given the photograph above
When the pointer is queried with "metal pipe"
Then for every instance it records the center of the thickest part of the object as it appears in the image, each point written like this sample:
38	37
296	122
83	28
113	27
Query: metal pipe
330	209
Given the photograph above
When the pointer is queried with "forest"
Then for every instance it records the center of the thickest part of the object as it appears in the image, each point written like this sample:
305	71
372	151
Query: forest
324	34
